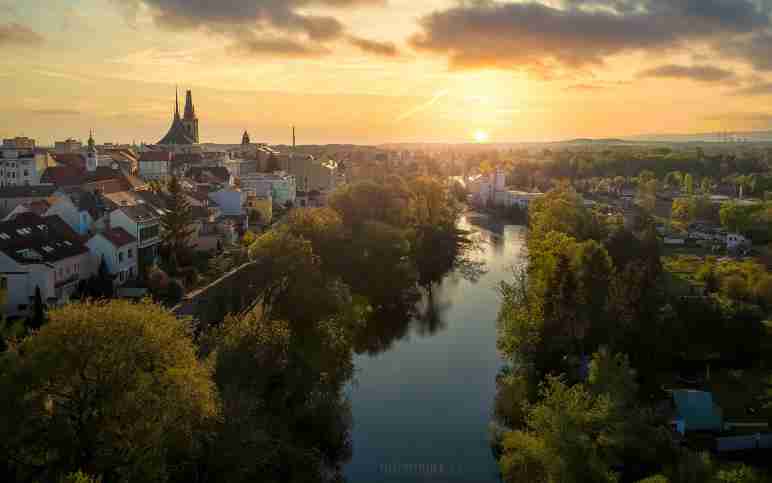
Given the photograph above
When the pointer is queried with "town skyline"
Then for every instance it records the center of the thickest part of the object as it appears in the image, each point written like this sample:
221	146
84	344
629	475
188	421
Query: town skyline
377	71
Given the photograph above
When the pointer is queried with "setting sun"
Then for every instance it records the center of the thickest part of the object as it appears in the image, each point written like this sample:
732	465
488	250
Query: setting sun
481	136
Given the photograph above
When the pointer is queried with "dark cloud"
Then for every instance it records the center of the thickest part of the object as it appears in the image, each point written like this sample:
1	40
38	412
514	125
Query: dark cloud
385	49
250	20
583	33
15	34
251	45
755	49
703	73
758	89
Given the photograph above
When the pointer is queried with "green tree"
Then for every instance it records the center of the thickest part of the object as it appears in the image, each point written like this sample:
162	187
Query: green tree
177	222
111	388
38	311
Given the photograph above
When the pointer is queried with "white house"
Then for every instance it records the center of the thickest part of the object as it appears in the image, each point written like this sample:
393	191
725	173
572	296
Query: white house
735	241
511	198
144	224
39	253
229	201
118	248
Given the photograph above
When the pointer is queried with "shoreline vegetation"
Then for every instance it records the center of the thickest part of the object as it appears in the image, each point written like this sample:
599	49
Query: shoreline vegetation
591	333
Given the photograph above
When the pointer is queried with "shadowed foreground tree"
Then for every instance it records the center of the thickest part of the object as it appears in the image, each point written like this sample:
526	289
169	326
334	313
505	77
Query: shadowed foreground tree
107	388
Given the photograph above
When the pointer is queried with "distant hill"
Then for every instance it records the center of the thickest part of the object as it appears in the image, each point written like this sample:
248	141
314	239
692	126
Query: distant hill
594	141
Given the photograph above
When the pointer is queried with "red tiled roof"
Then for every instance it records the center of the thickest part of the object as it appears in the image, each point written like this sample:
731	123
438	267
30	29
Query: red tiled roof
118	237
62	176
71	159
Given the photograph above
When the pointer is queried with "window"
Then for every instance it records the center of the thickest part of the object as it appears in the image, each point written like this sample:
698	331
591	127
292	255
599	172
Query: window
120	257
76	269
26	172
131	253
3	283
121	276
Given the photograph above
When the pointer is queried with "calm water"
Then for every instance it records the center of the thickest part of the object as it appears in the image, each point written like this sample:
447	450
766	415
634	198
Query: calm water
421	409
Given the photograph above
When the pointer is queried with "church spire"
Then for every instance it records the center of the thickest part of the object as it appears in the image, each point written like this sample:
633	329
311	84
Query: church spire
176	102
190	111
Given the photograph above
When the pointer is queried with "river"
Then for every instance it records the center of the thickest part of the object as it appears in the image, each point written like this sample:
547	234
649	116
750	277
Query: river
421	409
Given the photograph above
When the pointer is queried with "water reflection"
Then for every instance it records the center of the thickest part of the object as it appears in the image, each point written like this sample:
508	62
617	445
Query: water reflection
426	378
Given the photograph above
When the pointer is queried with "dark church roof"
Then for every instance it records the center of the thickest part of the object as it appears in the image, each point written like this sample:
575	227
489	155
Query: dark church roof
177	134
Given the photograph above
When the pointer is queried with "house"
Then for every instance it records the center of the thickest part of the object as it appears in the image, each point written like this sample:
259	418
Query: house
735	242
13	196
510	198
696	411
19	167
155	165
229	201
118	249
209	174
39	253
279	185
143	223
71	159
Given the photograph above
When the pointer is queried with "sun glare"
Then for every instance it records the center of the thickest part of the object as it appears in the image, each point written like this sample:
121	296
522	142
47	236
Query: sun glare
481	136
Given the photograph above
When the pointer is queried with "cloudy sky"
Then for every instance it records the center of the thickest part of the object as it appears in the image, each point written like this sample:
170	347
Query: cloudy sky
371	71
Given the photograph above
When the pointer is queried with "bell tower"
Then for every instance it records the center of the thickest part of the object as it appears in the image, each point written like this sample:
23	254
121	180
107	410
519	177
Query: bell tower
92	158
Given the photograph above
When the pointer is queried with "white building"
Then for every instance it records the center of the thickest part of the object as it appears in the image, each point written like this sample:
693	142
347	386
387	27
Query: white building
511	198
279	185
39	253
229	202
118	248
144	224
21	167
735	241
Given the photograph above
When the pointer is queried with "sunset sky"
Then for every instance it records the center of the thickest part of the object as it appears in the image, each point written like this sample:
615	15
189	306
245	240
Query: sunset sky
372	71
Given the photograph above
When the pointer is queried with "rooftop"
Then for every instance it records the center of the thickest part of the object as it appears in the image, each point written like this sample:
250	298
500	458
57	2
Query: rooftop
118	237
29	238
39	191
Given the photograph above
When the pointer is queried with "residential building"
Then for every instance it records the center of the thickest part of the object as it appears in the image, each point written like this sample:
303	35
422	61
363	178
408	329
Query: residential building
68	146
262	205
119	250
20	167
19	142
13	196
312	174
209	174
229	201
521	199
39	253
144	224
279	185
155	165
735	242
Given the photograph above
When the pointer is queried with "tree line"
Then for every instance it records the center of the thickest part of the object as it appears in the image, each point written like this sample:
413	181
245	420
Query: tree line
587	326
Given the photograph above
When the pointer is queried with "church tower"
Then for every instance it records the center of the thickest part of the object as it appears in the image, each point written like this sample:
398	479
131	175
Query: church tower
92	158
245	139
190	121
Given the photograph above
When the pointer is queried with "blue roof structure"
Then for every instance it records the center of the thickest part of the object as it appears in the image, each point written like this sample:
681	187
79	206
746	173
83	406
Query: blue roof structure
698	410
